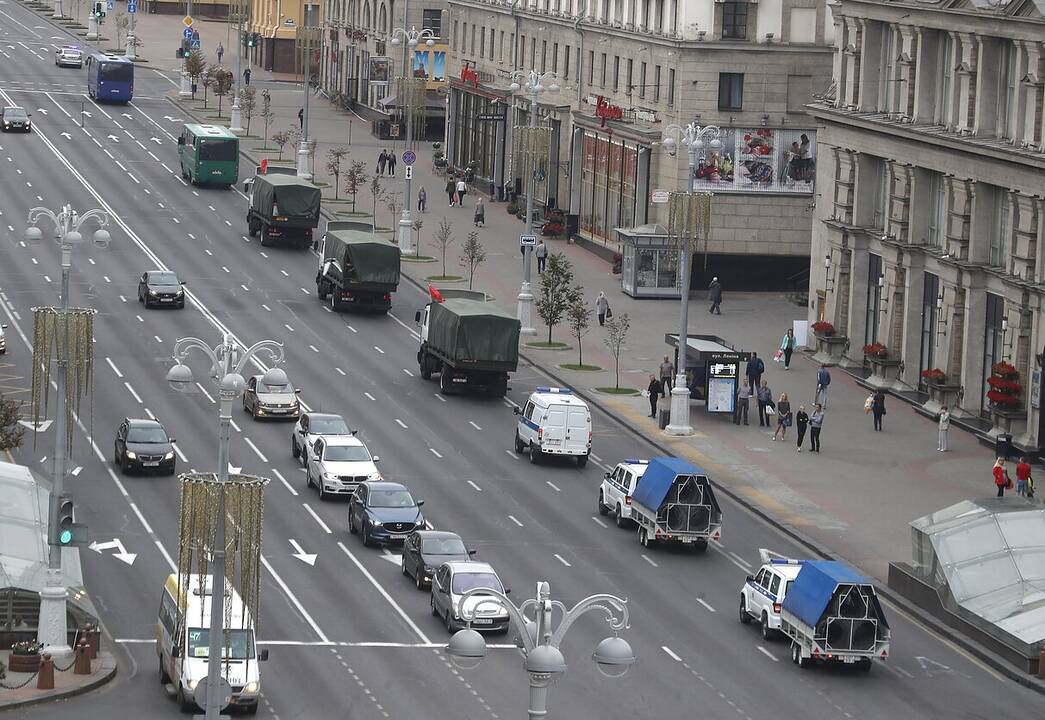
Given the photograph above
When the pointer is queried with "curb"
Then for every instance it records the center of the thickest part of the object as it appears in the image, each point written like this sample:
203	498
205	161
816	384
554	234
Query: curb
94	684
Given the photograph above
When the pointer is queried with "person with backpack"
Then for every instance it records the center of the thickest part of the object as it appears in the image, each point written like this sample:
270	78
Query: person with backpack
753	371
823	379
878	408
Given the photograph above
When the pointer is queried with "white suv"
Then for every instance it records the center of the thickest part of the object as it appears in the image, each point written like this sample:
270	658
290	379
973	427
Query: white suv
763	593
618	487
337	465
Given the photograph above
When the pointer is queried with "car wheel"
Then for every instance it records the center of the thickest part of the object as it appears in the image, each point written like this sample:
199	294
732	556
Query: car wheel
603	510
252	709
115	455
181	305
322	492
745	616
446	380
431	603
418	581
519	445
367	542
449	622
141	298
294	448
334	304
424	368
767	633
351	524
644	538
125	465
803	662
795	654
308	486
403	566
185	704
535	454
582	460
620	516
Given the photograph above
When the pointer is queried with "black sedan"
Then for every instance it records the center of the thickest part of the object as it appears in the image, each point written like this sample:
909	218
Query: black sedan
384	512
425	550
161	287
143	445
15	119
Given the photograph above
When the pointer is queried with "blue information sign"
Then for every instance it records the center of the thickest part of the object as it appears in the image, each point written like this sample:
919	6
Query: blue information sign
194	44
187	33
132	8
108	5
409	158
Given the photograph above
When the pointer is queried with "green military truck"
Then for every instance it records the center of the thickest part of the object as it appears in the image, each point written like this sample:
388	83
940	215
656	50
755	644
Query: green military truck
282	208
359	269
468	342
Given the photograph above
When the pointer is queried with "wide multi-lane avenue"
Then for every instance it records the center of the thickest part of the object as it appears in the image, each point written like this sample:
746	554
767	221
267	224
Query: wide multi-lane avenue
350	636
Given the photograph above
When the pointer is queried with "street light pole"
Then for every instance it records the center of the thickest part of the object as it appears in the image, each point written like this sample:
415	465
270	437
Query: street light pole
411	37
227	367
539	641
693	137
53	630
303	169
129	53
535	83
236	121
186	81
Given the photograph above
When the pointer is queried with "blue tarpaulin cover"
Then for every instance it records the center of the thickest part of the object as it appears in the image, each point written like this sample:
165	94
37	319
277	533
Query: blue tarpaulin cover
654	484
811	591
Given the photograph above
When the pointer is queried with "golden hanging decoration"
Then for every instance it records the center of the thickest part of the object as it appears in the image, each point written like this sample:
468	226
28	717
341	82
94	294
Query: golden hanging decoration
64	337
689	219
411	93
531	148
244	497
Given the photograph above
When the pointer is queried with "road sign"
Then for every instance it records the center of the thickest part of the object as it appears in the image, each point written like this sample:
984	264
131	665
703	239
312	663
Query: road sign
393	130
660	197
187	33
132	8
527	240
186	21
194	44
108	5
409	173
409	157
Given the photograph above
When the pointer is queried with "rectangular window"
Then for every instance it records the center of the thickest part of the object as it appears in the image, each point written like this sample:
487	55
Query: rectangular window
500	48
630	79
491	42
1000	228
945	81
482	41
433	20
671	86
730	91
591	67
616	73
1007	81
993	341
930	318
457	38
937	210
874	297
566	63
656	83
882	190
734	20
544	56
311	18
521	60
533	52
887	74
642	80
602	72
555	57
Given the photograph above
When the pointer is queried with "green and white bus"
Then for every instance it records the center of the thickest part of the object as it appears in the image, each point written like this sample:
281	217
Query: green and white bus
209	155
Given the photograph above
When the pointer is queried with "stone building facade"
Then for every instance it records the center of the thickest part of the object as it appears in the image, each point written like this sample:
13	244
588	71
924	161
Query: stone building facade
930	231
626	70
286	29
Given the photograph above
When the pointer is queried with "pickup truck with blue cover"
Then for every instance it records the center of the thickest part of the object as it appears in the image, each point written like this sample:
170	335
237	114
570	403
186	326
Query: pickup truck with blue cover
832	614
673	502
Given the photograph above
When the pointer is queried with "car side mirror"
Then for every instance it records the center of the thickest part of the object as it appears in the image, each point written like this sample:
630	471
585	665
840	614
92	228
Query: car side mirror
515	411
181	141
3	327
297	391
750	578
606	475
301	431
417	316
420	503
507	591
377	458
473	551
176	651
171	440
354	432
263	655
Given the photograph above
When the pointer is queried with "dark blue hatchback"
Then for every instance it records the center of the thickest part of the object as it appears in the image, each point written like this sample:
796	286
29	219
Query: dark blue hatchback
384	512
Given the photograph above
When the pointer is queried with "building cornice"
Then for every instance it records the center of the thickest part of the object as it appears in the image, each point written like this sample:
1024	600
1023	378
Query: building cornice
941	18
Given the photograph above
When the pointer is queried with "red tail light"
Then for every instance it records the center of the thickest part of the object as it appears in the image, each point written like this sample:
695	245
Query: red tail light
776	608
388	296
627	500
589	437
540	434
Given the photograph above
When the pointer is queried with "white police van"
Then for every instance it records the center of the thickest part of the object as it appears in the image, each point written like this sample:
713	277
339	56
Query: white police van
554	422
617	488
764	592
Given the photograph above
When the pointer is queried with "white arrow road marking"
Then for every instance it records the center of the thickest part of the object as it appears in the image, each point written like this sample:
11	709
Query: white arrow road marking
117	545
67	136
114	138
128	116
156	140
41	110
301	555
391	557
40	426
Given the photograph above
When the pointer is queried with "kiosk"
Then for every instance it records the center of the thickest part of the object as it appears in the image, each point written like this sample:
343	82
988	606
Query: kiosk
713	370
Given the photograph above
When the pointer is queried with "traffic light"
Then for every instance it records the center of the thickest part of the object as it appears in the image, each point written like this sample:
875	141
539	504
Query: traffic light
68	533
99	9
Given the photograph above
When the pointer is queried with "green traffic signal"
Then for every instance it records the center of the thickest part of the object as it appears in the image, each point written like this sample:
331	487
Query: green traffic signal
65	537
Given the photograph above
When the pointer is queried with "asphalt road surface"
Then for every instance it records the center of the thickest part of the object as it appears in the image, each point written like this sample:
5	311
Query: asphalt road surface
350	636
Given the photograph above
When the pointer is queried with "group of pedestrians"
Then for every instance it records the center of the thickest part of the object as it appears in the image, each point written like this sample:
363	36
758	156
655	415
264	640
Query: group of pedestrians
386	162
1024	484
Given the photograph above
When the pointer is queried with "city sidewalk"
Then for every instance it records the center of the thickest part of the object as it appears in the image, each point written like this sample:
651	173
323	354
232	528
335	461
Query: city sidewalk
66	684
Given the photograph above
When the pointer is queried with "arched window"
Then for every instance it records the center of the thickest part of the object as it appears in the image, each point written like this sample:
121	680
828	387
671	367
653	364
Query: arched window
382	19
366	16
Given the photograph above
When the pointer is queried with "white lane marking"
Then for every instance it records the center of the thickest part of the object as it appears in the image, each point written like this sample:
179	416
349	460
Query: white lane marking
902	671
408	328
340	371
371	397
717	547
149	413
206	250
205	393
158	338
553	486
164	165
389	598
47	278
408	372
285	273
264	254
441	398
561	559
140	318
305	290
288	327
704	602
225	268
234	425
279	476
313	348
479	489
400	423
596	457
768	654
245	288
648	559
267	308
671	653
255	449
739	559
178	450
293	599
435	452
351	328
513	454
474	425
317	518
379	350
114	368
512	518
106	278
136	395
600	522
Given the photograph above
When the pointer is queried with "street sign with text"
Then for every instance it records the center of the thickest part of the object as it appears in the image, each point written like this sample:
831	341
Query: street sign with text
659	197
491	117
527	240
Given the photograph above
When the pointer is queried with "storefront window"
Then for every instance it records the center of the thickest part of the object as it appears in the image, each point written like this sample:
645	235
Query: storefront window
474	139
993	343
608	186
588	185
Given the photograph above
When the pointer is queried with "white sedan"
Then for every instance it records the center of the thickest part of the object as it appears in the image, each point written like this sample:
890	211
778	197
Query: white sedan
68	57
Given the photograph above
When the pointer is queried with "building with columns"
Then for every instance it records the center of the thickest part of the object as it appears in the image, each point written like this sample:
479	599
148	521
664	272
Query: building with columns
626	70
930	218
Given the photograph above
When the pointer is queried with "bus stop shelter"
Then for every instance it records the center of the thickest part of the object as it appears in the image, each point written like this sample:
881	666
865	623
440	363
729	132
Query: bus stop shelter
713	370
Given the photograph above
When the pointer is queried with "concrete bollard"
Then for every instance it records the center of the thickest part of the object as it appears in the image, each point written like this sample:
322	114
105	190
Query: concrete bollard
45	678
82	664
93	636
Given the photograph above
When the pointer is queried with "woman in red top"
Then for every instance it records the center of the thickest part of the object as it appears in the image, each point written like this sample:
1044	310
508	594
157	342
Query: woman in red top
1001	478
1022	476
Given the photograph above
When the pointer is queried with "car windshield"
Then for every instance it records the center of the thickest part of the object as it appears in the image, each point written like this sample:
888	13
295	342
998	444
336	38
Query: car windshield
390	499
163	278
241	644
329	426
463	582
116	72
346	453
443	546
275	389
224	149
15	113
147	435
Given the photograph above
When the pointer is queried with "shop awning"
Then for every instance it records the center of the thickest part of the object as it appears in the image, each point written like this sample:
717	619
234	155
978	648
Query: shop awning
432	102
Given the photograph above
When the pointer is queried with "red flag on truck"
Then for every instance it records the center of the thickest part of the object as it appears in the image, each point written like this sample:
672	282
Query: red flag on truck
434	292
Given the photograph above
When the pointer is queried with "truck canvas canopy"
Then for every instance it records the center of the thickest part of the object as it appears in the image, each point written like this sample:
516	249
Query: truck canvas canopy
295	198
467	330
363	257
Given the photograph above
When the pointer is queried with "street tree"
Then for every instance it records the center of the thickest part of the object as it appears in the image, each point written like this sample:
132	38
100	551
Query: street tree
121	21
417	225
578	316
355	179
335	156
473	254
281	138
557	291
221	84
208	81
616	331
444	238
295	135
267	115
11	433
248	105
376	191
392	201
195	66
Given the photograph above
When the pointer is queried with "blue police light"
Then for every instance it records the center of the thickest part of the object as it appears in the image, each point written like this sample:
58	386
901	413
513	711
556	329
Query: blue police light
556	390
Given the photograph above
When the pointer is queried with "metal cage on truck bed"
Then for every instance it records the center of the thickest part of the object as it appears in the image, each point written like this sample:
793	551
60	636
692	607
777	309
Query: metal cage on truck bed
688	506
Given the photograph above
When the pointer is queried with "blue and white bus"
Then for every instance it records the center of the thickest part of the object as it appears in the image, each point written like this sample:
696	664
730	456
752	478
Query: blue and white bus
110	78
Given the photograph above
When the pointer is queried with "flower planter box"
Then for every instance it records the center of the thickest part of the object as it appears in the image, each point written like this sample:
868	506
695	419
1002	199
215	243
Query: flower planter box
1008	420
884	372
24	663
830	349
941	394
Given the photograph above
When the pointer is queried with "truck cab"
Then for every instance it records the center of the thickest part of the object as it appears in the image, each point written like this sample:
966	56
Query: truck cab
554	422
763	593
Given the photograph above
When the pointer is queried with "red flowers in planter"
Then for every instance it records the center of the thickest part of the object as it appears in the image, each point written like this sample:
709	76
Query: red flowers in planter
934	375
553	229
1003	368
1005	388
822	327
876	349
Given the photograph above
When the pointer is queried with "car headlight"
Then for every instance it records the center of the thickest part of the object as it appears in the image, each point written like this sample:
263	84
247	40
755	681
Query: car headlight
192	684
261	410
152	292
131	455
377	523
169	455
251	687
374	477
180	292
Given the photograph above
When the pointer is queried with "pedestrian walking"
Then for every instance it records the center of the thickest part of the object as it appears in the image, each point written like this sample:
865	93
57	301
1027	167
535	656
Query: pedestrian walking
392	163
602	308
422	200
878	408
823	379
753	371
246	77
743	400
655	390
451	190
1001	477
945	422
541	251
784	418
765	401
301	118
1022	476
667	372
382	160
462	190
816	424
220	51
479	218
715	296
787	347
801	423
